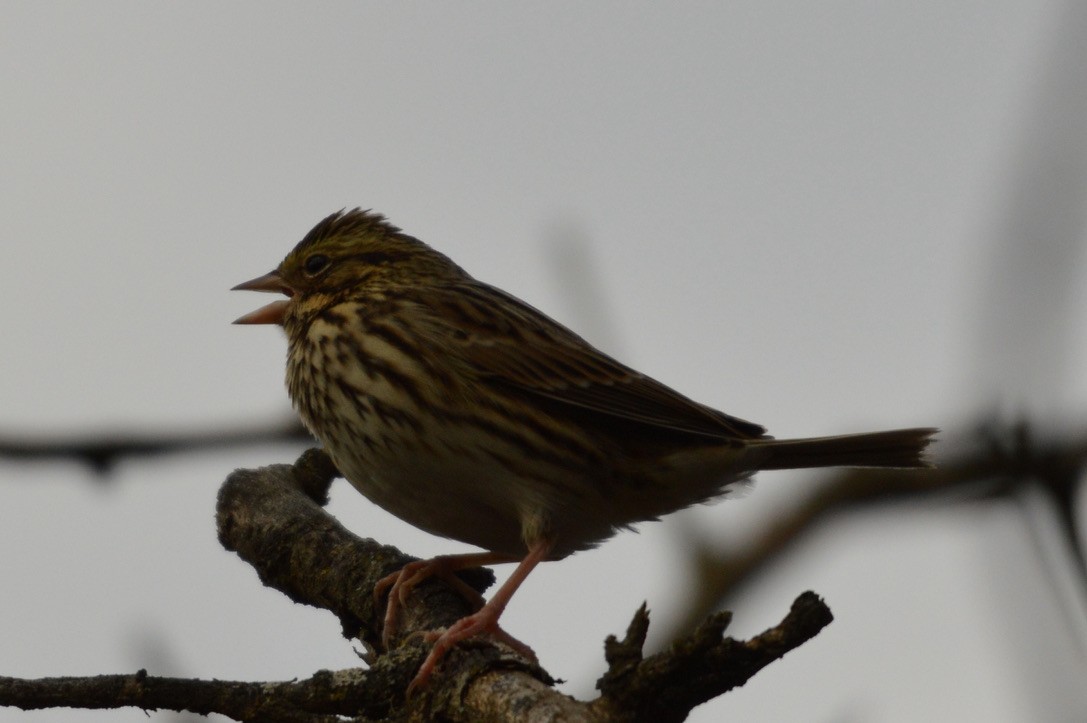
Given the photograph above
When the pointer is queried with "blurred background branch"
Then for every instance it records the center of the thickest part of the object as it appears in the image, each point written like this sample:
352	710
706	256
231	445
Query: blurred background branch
100	452
1008	464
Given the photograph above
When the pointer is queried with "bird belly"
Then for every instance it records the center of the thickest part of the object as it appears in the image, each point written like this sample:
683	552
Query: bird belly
450	495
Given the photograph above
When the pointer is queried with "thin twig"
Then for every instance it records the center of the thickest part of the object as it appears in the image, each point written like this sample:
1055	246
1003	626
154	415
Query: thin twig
101	452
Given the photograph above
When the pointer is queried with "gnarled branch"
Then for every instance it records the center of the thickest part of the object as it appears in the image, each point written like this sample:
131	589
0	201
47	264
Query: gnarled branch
273	518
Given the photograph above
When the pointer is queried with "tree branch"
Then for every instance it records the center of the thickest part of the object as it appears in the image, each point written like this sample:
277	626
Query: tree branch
273	518
700	667
324	697
102	452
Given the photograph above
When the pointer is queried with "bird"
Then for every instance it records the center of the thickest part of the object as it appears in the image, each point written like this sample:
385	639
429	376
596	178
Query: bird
473	416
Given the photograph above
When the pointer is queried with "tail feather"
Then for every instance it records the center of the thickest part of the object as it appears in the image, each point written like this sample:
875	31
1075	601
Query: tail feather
896	448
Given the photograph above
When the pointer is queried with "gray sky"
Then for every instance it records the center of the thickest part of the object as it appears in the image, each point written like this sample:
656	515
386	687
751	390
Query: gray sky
800	213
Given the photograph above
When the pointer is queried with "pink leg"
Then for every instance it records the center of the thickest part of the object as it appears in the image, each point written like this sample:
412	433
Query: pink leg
404	580
484	620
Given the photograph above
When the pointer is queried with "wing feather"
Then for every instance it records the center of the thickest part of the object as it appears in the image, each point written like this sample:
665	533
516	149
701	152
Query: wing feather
505	341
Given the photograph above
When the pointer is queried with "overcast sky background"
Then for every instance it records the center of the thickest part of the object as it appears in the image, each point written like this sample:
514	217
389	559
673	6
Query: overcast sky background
824	217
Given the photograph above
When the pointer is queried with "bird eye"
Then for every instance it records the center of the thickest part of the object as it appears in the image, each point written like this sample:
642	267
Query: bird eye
315	264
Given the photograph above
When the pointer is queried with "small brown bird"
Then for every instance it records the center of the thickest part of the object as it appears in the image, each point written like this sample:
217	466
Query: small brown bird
471	415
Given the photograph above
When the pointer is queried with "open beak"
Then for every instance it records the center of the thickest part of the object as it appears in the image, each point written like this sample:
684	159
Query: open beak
271	313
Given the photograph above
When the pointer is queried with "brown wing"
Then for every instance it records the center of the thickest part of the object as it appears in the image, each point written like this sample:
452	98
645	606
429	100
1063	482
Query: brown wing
507	342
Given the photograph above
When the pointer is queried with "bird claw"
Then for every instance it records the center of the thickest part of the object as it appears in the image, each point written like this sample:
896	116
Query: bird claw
482	622
497	634
401	583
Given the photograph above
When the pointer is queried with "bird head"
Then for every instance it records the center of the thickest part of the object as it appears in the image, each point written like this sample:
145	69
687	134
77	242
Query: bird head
346	253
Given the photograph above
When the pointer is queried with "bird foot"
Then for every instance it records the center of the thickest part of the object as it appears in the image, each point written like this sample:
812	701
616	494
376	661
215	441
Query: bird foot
482	622
401	583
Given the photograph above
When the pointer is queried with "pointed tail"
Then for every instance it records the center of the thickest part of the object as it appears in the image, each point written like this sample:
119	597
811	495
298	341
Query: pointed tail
896	448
